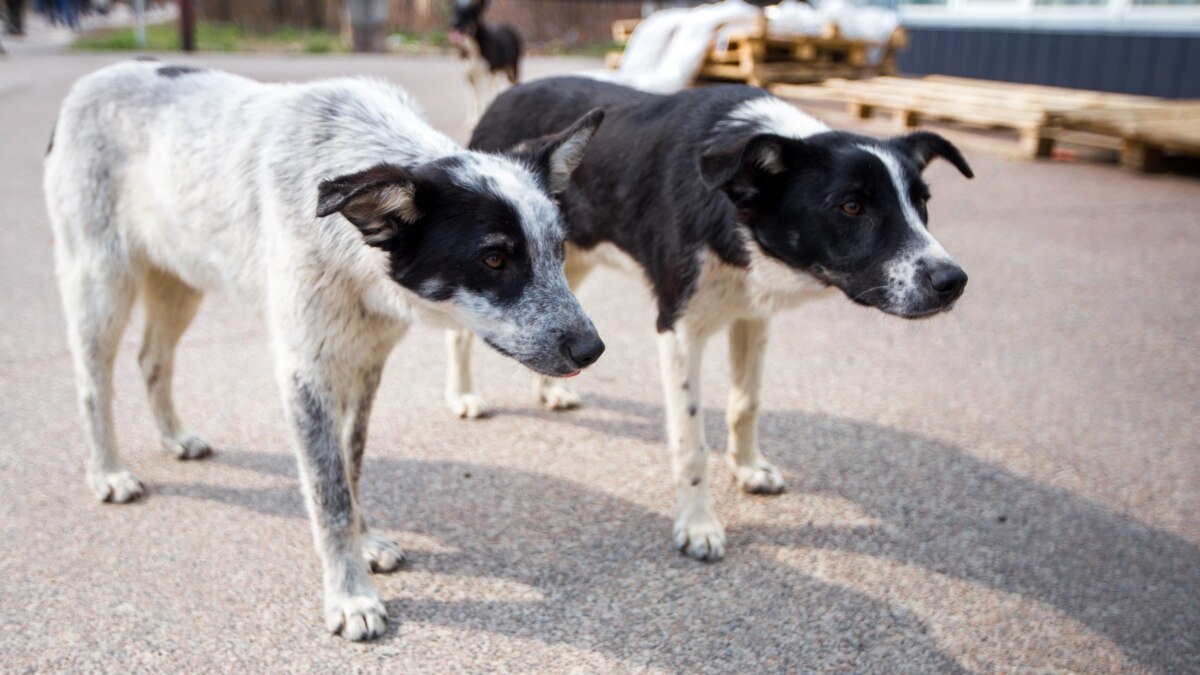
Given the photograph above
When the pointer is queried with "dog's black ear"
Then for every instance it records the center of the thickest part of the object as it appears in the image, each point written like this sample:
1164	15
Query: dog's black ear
741	168
558	155
378	201
924	146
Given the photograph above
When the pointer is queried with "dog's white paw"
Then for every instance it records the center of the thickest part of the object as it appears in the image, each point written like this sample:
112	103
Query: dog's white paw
759	478
355	617
703	540
186	445
117	487
555	396
466	406
381	553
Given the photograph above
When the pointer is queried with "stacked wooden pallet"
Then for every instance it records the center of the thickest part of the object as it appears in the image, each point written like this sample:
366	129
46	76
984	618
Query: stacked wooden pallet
1147	134
1142	128
760	58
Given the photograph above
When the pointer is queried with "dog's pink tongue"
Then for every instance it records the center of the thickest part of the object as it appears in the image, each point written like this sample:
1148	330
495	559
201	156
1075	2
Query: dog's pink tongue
572	374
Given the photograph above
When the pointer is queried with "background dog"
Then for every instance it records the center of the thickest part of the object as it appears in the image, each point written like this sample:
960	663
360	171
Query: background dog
732	205
340	213
492	52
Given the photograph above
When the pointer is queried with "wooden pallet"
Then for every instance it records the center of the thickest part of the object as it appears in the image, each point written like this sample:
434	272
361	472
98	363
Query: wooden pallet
1142	128
1146	135
623	28
760	59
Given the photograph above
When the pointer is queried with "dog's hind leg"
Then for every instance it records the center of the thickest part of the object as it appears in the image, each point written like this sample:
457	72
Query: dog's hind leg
98	290
460	395
698	532
170	307
747	347
380	552
551	392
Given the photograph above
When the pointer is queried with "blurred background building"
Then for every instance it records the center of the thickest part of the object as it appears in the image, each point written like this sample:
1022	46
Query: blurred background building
1131	46
1147	47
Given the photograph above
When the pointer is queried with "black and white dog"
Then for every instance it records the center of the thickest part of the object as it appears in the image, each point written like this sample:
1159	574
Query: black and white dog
732	205
338	211
492	52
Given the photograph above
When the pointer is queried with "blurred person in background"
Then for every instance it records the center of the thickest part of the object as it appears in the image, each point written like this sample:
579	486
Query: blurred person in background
65	12
13	12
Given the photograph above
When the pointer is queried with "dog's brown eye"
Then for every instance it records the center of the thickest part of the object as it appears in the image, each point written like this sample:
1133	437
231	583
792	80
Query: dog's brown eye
852	208
494	260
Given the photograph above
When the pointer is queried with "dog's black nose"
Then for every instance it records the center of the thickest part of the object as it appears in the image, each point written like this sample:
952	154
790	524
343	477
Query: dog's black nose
948	280
583	350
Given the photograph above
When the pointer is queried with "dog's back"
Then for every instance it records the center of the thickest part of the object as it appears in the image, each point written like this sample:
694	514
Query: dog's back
180	160
118	154
503	51
557	100
639	185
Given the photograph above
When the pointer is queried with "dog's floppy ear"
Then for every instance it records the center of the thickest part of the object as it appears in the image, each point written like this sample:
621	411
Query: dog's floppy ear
924	146
740	167
558	155
378	201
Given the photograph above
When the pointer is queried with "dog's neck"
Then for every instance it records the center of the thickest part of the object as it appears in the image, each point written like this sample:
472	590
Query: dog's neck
764	286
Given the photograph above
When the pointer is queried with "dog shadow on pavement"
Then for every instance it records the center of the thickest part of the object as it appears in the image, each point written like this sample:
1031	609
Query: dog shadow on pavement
935	527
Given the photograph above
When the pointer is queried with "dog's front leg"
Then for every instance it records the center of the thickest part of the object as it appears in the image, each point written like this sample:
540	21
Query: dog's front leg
460	393
314	403
697	530
380	551
493	87
477	103
747	347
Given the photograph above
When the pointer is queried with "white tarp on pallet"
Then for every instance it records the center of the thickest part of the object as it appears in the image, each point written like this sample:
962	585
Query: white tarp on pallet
668	48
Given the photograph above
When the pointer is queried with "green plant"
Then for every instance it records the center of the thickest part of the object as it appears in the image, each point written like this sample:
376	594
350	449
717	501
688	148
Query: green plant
214	37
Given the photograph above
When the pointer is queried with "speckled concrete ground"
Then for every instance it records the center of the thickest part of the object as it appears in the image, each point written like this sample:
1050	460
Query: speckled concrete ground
1013	486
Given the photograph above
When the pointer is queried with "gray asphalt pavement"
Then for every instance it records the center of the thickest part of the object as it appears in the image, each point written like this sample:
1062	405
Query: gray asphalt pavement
1014	486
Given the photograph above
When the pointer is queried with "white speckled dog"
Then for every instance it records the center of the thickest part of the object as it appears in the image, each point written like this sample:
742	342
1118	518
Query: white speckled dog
336	209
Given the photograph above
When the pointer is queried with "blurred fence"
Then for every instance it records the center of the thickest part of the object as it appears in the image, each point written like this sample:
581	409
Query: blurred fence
566	22
266	15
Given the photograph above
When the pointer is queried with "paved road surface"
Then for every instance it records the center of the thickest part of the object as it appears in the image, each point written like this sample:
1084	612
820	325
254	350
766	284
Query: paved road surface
1011	486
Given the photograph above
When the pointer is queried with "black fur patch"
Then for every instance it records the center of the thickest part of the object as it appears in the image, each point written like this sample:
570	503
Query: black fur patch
176	71
640	185
456	228
50	145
